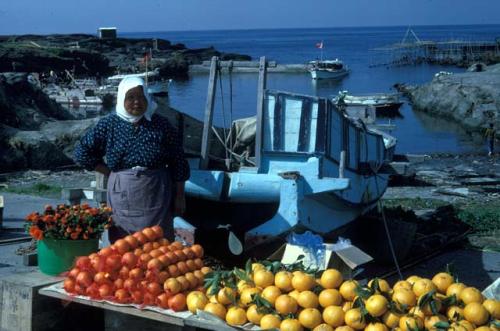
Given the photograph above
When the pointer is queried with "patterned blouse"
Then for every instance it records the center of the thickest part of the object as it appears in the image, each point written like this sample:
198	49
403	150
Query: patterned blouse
151	144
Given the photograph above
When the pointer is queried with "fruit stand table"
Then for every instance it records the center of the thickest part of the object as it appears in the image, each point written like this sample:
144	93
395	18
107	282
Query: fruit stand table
184	321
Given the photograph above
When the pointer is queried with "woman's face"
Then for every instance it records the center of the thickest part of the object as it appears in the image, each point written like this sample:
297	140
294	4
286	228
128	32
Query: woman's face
135	101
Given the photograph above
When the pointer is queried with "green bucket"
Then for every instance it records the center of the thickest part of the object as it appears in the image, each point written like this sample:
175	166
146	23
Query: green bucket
56	256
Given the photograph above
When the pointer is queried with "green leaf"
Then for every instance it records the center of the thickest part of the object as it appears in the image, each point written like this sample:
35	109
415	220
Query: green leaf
442	325
375	286
450	301
363	292
433	307
248	266
241	275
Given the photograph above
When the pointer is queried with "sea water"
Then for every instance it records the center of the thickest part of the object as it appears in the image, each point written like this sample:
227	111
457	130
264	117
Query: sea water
416	132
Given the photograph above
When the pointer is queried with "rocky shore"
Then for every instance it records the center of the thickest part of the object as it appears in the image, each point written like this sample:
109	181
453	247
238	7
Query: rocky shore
87	55
471	98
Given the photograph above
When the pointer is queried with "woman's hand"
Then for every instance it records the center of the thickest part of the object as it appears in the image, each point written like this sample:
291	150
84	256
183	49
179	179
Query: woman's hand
179	204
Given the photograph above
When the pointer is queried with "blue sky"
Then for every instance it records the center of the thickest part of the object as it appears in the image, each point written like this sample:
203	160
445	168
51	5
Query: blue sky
68	16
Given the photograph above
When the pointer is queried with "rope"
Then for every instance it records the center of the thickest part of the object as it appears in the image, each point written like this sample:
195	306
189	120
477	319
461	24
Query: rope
396	263
243	156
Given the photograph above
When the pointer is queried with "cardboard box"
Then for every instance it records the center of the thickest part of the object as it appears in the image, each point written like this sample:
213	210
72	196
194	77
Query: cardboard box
345	260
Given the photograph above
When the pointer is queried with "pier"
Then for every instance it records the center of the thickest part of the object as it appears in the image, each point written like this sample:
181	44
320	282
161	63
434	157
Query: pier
412	50
249	66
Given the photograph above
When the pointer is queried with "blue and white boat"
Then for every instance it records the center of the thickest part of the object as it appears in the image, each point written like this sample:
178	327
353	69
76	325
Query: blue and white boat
328	69
314	169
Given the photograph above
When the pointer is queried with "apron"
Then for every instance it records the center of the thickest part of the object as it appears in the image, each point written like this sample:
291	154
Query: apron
139	199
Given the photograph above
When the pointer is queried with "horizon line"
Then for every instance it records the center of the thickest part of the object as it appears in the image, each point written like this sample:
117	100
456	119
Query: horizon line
260	29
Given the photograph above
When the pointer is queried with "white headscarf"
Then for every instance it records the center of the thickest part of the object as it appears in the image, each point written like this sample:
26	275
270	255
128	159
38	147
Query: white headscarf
125	85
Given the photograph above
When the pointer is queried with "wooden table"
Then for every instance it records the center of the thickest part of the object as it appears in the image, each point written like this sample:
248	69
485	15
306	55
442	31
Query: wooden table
176	323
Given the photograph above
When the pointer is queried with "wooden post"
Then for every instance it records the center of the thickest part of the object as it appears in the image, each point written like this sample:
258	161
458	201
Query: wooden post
260	109
342	164
209	114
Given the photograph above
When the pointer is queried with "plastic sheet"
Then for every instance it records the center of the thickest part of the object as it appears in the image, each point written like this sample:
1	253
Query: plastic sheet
312	243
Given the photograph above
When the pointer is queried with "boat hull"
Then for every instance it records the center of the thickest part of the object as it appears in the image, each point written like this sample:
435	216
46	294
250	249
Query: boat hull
326	74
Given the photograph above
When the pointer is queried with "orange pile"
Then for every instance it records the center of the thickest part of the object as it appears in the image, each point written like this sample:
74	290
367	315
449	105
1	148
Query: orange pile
143	268
294	301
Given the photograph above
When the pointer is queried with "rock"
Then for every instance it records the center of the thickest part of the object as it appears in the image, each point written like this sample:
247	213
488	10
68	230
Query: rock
472	98
87	55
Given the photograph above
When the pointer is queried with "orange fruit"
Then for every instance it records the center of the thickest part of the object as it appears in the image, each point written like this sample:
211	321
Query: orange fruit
346	306
236	316
246	295
253	315
333	316
471	294
412	279
263	278
323	327
294	294
382	284
493	307
226	295
270	321
455	313
391	319
196	300
476	313
354	319
347	289
270	293
308	299
427	310
430	321
455	288
291	324
402	284
377	326
283	280
303	282
409	323
344	328
330	297
442	281
404	297
217	309
376	305
422	286
331	278
310	318
285	305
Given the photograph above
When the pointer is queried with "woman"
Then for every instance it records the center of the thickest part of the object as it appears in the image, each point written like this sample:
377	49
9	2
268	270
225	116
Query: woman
143	156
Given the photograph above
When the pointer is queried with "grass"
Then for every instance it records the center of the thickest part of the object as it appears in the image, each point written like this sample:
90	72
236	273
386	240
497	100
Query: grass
484	218
39	189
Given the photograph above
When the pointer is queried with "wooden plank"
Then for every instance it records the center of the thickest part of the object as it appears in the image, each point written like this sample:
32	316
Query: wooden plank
209	108
261	87
121	309
305	126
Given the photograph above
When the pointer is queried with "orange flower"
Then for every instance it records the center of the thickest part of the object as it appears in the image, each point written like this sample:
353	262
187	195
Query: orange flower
69	229
85	206
94	211
85	236
36	233
48	207
32	217
48	218
74	235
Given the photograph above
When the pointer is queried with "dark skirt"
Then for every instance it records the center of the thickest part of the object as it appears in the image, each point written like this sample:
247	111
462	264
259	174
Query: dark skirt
139	199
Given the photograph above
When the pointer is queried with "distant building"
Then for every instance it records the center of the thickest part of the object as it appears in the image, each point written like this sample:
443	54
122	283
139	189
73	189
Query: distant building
107	33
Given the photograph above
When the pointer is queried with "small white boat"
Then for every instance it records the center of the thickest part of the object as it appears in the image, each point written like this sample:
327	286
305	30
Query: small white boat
328	69
157	86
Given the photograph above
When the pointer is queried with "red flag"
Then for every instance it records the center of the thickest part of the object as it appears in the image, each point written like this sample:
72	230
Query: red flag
146	58
319	45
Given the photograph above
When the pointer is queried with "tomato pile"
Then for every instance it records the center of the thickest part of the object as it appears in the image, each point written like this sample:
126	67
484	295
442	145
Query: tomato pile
143	268
272	295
